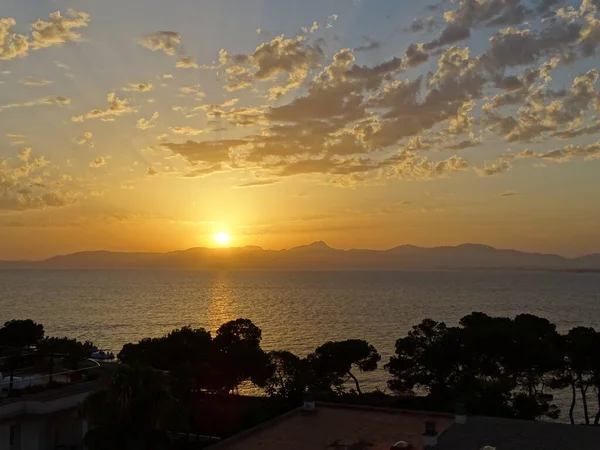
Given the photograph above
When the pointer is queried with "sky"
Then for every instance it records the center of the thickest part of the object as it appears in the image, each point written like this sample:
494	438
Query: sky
145	125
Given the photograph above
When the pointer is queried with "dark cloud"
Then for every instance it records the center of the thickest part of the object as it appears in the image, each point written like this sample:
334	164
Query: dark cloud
258	183
416	55
575	132
204	151
419	24
452	34
370	45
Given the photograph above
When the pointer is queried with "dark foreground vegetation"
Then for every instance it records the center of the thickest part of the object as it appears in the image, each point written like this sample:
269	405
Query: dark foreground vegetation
495	366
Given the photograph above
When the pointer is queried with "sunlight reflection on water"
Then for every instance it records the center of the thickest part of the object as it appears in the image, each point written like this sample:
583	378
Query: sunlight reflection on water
297	311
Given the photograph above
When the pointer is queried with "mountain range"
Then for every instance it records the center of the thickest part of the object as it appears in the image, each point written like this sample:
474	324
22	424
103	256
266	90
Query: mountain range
317	256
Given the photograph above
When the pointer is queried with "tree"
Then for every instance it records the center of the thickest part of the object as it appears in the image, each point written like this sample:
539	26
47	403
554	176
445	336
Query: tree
180	347
289	376
239	355
21	333
338	358
74	350
494	365
583	363
130	412
425	359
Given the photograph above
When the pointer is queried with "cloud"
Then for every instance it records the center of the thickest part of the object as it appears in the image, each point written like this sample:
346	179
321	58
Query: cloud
258	183
139	87
166	76
50	100
416	55
205	151
452	34
151	171
419	24
145	124
370	45
12	45
292	59
508	194
168	42
116	107
85	139
189	131
61	65
186	63
58	29
464	144
34	81
537	118
494	168
332	18
575	132
26	184
194	91
98	162
587	152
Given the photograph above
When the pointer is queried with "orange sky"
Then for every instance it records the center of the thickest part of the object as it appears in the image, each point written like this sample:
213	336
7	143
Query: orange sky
364	125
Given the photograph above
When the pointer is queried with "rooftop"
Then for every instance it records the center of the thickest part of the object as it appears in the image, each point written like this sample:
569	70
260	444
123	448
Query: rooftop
333	426
511	434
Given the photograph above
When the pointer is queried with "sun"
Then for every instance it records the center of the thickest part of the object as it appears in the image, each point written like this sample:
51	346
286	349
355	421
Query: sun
222	238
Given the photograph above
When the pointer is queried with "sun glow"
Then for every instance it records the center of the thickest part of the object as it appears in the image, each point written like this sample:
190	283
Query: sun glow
222	238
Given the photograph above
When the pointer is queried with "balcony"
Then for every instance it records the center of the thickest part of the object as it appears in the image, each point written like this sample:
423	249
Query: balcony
38	384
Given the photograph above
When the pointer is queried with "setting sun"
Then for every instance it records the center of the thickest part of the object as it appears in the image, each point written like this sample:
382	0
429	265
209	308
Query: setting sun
222	238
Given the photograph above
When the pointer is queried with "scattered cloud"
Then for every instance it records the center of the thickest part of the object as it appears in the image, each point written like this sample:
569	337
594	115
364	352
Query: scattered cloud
58	29
116	107
27	184
98	162
368	46
258	183
189	131
292	59
139	87
86	138
12	44
494	168
193	91
168	42
50	100
34	81
211	152
146	124
418	24
186	63
508	194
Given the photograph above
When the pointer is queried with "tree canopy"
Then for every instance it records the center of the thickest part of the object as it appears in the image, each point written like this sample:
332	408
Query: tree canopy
21	333
337	358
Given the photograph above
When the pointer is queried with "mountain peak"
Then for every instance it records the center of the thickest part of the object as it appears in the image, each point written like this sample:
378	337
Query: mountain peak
315	246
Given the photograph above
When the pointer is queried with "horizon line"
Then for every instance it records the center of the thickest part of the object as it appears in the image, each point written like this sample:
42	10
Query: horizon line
320	243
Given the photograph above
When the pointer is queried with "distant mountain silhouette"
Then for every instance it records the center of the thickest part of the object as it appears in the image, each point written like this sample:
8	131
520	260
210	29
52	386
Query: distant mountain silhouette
317	256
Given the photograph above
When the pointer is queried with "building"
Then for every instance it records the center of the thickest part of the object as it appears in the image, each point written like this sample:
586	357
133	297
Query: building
333	426
344	427
511	434
40	411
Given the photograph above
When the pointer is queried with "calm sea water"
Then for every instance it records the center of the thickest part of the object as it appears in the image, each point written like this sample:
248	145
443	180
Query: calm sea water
297	311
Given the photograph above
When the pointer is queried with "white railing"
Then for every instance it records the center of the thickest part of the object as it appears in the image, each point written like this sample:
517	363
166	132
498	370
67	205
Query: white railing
58	378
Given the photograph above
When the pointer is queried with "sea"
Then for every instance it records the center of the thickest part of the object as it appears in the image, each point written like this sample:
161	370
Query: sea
297	311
